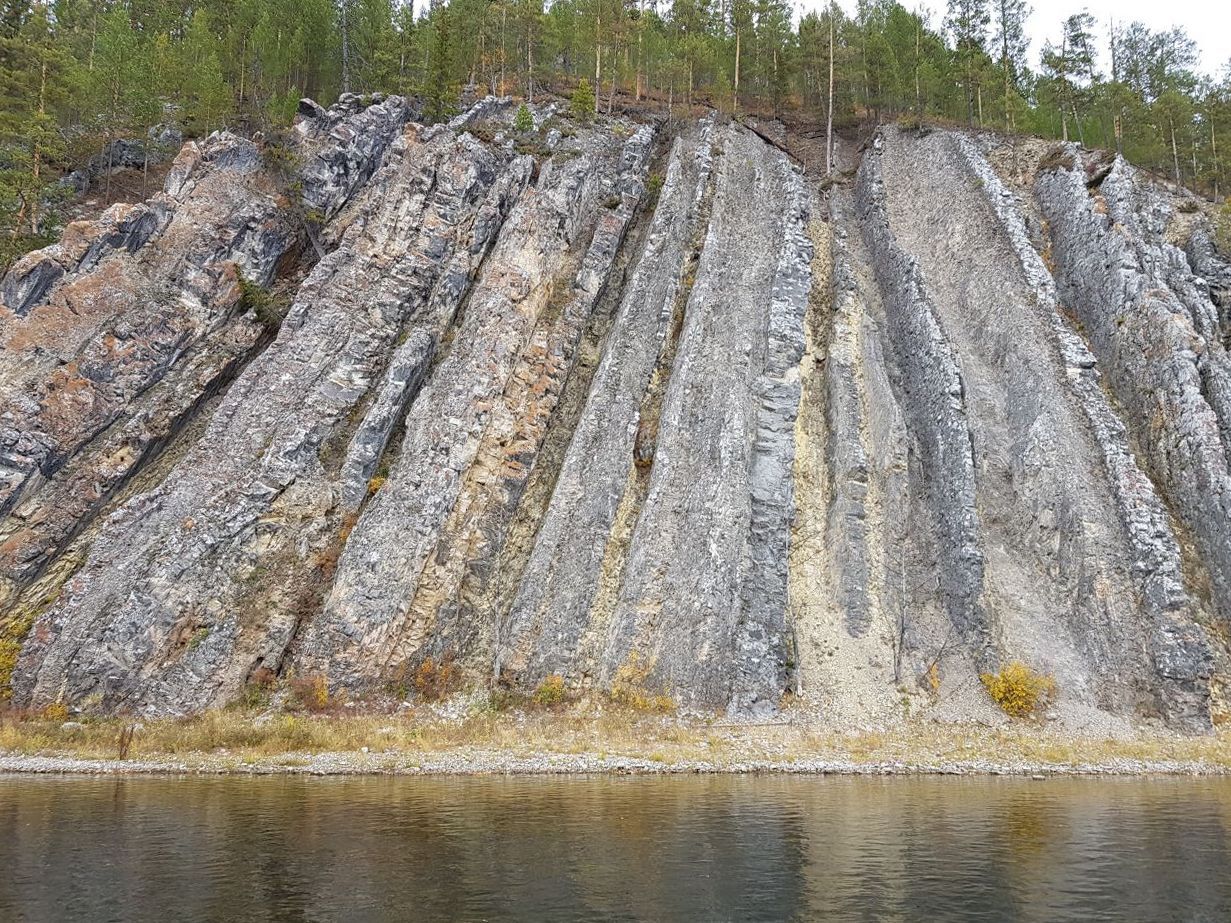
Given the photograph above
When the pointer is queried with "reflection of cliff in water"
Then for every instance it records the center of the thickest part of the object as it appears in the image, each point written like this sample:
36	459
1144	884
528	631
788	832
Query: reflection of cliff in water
646	849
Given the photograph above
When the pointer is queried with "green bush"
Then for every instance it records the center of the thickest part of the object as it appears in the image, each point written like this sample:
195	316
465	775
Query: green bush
523	122
1222	230
263	305
280	156
654	186
583	101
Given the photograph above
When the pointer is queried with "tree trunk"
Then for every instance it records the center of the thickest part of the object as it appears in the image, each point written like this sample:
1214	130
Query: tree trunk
640	36
529	63
115	109
107	182
1004	51
918	92
1214	154
829	115
37	153
1175	155
970	89
345	49
1064	88
735	102
598	61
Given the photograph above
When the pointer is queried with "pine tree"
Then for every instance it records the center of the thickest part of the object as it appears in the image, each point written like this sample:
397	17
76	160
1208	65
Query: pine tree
438	89
1010	40
523	122
1071	67
583	101
968	21
34	78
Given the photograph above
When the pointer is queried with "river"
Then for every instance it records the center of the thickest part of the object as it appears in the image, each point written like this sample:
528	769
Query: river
611	848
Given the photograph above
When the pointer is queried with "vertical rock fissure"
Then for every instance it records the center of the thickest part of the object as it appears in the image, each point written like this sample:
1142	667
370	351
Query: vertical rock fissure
933	400
190	584
1148	346
371	625
551	610
679	607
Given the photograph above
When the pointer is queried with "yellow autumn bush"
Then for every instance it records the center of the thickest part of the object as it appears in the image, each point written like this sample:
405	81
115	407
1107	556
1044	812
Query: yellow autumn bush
1019	690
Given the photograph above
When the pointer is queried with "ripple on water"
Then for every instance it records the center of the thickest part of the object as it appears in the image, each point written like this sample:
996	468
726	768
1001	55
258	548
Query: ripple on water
704	848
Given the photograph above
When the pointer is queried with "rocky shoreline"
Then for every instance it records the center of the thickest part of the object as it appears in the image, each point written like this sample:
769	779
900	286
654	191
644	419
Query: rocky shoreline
495	763
579	742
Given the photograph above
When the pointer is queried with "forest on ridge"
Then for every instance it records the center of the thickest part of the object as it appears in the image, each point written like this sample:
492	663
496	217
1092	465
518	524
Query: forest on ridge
78	76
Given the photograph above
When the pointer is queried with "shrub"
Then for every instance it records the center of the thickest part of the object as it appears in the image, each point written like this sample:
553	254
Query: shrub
11	637
435	680
551	691
56	711
1019	690
1222	229
263	305
932	678
629	688
583	101
653	188
198	636
310	692
523	122
258	690
279	156
10	649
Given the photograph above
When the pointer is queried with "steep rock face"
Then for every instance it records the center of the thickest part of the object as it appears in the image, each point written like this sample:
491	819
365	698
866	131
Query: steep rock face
661	417
699	602
551	613
115	335
1063	539
932	389
1020	513
477	423
193	586
1155	329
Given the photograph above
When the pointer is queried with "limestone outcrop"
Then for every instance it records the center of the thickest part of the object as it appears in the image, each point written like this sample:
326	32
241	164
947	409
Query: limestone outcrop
648	409
114	337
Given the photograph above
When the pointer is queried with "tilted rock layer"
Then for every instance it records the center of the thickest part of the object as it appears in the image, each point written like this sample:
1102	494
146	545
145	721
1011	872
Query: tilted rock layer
656	414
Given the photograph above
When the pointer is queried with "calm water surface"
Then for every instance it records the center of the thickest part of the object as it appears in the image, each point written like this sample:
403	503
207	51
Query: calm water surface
753	848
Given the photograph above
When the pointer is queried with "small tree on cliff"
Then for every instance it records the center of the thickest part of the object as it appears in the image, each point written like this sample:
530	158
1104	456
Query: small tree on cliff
523	122
583	101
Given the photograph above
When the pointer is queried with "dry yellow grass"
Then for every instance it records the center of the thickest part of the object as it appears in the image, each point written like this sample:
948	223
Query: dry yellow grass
611	732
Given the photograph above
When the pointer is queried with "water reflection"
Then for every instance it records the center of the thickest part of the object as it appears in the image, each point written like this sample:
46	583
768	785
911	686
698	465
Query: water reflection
753	848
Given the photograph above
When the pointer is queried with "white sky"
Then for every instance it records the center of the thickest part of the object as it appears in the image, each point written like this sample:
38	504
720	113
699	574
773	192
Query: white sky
1208	22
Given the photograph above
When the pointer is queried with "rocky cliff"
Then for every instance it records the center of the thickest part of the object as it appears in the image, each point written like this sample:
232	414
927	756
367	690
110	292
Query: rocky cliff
643	408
